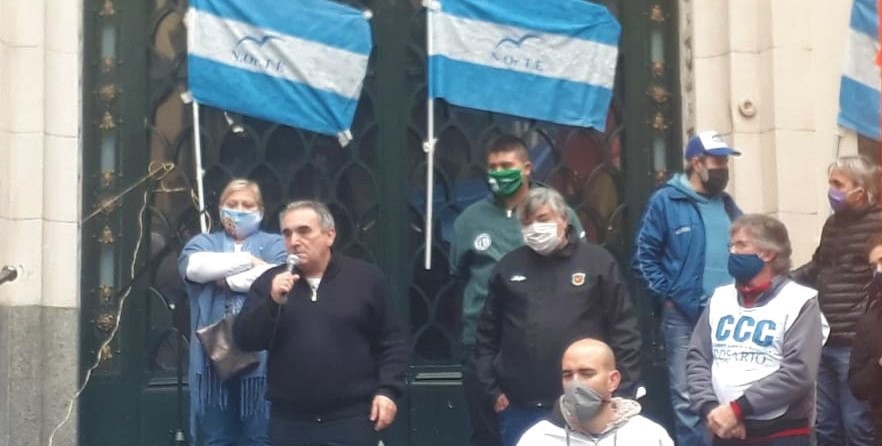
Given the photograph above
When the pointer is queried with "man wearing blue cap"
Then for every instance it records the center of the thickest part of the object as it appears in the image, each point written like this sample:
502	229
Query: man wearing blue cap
681	255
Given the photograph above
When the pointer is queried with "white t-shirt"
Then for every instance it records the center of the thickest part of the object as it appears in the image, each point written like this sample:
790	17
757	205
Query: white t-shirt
313	285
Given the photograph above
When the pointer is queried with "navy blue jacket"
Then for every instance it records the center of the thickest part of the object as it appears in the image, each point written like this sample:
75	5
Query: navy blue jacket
669	249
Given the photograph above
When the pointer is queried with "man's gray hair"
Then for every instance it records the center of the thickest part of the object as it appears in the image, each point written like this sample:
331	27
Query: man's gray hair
861	171
767	234
541	196
326	220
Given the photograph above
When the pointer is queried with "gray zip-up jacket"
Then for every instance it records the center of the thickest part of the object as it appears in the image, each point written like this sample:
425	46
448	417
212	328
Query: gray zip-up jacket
791	386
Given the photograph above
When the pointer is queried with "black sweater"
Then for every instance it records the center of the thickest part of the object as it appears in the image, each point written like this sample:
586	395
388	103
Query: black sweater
538	305
327	358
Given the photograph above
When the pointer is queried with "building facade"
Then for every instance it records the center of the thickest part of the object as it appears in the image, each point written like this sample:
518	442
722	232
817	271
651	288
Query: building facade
97	174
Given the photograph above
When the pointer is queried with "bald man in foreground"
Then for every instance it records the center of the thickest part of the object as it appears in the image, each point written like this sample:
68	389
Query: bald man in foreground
587	414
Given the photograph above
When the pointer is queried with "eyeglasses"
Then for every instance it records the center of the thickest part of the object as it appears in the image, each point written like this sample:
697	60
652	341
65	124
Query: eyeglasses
740	244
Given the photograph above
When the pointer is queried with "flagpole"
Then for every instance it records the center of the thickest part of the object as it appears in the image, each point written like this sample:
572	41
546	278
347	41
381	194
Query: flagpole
879	63
190	22
197	153
429	148
429	145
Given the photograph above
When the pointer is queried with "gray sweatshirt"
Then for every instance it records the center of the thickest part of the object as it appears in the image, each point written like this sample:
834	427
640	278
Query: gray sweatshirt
781	399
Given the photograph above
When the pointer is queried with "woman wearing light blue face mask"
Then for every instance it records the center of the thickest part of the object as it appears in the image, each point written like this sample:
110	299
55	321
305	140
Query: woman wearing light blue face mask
218	269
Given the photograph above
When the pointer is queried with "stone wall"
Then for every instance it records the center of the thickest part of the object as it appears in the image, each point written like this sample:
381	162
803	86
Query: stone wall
40	145
765	74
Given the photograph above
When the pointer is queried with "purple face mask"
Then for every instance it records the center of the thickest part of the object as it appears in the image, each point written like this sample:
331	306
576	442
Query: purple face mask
838	199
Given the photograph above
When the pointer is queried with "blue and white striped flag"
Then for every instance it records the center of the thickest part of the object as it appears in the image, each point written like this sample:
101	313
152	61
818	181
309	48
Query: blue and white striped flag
300	63
548	60
859	98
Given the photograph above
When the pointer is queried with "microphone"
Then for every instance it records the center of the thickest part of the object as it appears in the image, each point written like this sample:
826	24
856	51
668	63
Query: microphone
9	273
292	263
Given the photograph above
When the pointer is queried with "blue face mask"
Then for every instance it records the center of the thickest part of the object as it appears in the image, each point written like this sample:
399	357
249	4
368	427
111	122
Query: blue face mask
240	224
744	267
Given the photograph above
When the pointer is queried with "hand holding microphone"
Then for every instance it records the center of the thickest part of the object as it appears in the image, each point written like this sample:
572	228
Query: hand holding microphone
284	281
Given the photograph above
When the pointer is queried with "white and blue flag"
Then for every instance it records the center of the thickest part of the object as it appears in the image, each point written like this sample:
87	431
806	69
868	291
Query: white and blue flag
547	60
300	63
859	98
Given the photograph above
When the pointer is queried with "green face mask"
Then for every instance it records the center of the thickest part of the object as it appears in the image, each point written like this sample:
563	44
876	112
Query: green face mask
505	182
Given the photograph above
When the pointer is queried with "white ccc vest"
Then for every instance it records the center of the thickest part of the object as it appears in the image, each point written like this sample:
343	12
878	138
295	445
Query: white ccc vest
748	342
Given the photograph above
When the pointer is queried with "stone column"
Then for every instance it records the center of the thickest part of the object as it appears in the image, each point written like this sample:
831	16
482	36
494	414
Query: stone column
40	145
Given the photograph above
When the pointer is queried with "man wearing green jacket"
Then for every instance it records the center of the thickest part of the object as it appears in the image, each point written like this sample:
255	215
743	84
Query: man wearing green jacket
485	232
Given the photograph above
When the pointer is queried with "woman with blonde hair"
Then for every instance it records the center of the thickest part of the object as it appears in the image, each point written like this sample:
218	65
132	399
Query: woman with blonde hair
218	269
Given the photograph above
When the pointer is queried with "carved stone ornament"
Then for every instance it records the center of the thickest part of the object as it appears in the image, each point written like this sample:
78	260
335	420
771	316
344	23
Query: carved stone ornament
107	178
107	9
659	94
107	93
106	236
105	322
658	68
107	121
658	122
656	14
660	177
105	292
107	65
106	353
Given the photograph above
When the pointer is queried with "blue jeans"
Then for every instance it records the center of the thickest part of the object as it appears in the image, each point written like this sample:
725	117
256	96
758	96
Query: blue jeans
842	419
676	330
225	427
516	419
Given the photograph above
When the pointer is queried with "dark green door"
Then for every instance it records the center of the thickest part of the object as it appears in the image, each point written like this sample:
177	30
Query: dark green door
138	147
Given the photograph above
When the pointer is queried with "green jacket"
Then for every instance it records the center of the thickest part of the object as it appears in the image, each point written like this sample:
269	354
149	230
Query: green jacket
483	233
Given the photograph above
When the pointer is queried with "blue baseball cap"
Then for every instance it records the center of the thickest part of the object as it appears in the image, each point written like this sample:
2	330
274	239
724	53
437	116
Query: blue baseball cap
708	143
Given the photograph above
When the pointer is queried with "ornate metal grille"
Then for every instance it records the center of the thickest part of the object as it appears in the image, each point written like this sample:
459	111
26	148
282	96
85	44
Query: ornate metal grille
291	164
288	163
374	186
584	165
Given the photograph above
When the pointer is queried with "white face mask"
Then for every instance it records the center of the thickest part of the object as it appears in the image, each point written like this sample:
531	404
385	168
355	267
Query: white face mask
541	237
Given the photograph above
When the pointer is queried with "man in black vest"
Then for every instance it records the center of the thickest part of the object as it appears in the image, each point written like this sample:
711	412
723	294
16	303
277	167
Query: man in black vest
840	273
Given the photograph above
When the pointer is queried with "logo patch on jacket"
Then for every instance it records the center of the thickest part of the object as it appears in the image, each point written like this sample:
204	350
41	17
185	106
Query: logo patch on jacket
517	278
483	242
578	279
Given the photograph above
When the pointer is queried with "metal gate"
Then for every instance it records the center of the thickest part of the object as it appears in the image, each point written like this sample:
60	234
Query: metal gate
138	136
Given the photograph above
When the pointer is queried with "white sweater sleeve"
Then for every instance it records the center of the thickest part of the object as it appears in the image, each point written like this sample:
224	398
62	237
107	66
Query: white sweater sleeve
204	267
241	282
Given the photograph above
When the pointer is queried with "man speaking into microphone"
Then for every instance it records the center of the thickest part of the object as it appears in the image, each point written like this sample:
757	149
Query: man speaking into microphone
337	356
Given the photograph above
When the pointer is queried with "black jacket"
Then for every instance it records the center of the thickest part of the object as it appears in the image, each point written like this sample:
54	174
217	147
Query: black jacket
840	272
864	372
327	358
538	305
